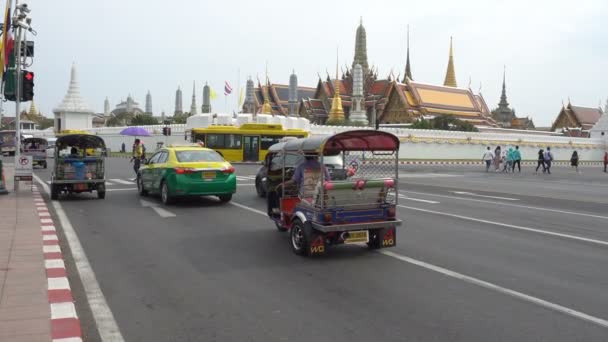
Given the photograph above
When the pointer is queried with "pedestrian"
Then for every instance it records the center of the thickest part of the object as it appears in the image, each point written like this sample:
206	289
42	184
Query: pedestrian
488	156
548	158
605	161
574	160
497	158
123	148
137	155
516	159
508	160
541	160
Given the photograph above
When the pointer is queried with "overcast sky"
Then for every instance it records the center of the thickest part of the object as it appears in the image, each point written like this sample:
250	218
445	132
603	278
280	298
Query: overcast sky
553	50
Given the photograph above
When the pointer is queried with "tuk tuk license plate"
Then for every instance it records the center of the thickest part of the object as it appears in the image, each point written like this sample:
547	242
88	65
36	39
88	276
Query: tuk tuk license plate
357	236
80	186
208	175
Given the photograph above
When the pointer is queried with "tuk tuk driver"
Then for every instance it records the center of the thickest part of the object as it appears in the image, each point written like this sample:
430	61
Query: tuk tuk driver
310	165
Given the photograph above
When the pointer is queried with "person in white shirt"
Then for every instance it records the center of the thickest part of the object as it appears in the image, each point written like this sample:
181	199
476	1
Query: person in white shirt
488	156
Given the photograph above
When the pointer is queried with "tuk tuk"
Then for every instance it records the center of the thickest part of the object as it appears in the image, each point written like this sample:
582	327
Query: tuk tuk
79	165
354	205
35	147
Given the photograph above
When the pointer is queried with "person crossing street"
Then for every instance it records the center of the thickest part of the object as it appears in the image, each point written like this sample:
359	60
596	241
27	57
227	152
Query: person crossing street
137	155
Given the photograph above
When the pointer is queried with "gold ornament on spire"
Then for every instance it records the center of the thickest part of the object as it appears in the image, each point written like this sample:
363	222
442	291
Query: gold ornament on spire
450	75
336	113
266	107
33	111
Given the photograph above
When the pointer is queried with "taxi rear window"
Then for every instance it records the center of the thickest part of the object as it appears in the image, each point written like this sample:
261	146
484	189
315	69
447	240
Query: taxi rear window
197	156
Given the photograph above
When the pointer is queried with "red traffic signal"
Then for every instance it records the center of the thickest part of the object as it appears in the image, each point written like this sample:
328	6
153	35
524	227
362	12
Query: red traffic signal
27	85
29	76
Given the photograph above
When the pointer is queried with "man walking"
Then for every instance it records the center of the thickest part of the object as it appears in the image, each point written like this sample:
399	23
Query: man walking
517	159
137	155
548	158
488	156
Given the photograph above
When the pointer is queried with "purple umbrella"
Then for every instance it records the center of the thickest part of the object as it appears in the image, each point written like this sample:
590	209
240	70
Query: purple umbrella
135	131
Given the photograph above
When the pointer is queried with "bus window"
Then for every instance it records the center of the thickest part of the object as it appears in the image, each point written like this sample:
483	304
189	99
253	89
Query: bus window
269	140
224	141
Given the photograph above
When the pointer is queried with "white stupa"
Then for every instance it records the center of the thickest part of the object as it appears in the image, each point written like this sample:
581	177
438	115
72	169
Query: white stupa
600	129
73	112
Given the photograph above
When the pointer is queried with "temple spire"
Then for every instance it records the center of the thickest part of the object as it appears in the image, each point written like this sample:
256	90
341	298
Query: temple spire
503	96
408	69
336	113
148	103
450	75
361	48
193	109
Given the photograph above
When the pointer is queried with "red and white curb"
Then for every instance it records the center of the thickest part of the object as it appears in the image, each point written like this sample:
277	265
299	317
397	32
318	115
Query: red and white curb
438	162
65	325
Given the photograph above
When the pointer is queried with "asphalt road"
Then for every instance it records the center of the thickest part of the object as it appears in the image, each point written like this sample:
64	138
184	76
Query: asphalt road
483	257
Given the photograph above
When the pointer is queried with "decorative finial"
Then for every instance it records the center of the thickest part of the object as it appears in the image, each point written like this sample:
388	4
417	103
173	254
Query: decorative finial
361	20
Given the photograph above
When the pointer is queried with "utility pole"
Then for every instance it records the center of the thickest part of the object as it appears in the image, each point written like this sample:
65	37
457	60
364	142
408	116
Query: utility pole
17	94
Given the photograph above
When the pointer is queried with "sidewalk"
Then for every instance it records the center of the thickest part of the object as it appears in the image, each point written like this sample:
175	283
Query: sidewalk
34	304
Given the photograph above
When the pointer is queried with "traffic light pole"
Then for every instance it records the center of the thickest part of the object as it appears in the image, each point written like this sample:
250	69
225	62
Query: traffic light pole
17	94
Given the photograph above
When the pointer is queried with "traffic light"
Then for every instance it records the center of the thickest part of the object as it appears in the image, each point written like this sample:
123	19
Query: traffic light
27	85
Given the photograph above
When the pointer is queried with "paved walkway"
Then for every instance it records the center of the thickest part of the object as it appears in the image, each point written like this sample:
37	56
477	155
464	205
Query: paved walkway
35	300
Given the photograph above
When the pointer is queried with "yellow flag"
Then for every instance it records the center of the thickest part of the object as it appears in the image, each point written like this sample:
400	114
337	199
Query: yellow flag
212	94
241	95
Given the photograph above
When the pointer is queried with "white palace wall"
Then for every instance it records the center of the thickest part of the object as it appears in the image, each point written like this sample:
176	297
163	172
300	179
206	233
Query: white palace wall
415	144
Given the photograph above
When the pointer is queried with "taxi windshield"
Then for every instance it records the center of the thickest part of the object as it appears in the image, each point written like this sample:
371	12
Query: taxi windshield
192	156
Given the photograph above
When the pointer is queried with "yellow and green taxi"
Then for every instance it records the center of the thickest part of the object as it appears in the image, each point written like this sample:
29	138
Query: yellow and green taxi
180	171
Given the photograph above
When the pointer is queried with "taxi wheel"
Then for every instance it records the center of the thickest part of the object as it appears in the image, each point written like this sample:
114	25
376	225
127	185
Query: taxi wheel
300	237
165	197
225	198
140	187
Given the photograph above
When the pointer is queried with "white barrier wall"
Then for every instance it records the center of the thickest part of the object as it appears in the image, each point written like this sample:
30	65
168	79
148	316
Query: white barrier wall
415	144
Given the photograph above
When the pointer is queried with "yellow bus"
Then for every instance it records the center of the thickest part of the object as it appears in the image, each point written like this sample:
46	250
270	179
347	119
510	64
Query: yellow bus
249	142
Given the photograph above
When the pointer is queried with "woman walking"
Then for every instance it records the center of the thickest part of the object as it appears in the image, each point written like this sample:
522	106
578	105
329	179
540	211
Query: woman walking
574	160
497	158
541	160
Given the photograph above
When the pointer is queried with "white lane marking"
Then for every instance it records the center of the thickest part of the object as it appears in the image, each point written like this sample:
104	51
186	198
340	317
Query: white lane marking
159	211
104	319
48	182
534	230
417	199
484	196
63	310
123	189
248	208
120	181
510	205
241	184
245	178
497	288
109	183
479	282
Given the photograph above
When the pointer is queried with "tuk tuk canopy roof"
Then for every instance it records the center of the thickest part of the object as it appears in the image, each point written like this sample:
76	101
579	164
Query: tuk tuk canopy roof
37	140
80	141
359	140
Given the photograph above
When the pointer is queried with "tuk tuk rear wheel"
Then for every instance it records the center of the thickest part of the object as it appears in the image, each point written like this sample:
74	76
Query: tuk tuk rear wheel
374	239
280	227
300	237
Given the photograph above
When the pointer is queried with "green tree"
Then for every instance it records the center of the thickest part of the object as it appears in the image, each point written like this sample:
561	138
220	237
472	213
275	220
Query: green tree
445	123
142	120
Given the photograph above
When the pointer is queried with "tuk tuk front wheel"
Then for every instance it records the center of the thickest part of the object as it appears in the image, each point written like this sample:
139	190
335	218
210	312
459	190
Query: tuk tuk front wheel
44	165
140	186
101	191
54	192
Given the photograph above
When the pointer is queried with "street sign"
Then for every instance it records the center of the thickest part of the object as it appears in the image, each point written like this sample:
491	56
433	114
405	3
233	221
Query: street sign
23	168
